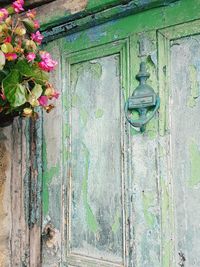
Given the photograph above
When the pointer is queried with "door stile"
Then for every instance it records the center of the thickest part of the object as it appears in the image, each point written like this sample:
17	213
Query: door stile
166	190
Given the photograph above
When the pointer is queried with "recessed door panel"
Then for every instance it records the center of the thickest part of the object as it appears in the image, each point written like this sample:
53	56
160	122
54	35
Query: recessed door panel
95	187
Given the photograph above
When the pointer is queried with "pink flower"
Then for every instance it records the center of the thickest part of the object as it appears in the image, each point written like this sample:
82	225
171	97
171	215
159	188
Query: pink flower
30	56
47	63
36	24
3	96
11	56
3	14
43	100
18	5
37	37
31	14
8	39
55	94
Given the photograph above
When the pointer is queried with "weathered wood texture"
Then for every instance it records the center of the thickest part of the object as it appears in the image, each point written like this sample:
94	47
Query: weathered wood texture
14	236
95	186
185	145
5	196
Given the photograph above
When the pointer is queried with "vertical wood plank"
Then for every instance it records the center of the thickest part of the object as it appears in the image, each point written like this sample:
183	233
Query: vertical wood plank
5	196
53	217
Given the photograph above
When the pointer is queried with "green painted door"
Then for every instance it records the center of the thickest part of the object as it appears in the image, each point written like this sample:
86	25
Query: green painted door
113	196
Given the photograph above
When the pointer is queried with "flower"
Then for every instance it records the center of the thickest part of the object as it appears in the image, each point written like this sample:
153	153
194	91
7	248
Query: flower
43	101
47	63
30	45
8	39
31	14
18	5
11	56
3	14
36	24
3	96
20	31
27	112
30	56
37	37
55	94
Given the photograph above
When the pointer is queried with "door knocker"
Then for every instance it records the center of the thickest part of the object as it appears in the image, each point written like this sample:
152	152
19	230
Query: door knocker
143	99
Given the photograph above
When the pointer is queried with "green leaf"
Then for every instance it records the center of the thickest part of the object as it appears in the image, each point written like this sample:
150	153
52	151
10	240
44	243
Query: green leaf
14	91
37	91
40	76
32	71
2	76
29	25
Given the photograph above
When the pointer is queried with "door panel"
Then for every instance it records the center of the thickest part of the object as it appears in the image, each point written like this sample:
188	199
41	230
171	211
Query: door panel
185	145
96	221
179	75
96	176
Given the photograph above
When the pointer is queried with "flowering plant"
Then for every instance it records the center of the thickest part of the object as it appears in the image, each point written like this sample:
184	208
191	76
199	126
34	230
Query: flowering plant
24	67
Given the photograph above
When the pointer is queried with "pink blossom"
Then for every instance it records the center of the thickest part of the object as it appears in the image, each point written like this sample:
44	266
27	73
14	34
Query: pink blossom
31	14
18	5
43	100
36	24
11	56
37	37
3	96
47	63
3	14
8	39
55	94
30	56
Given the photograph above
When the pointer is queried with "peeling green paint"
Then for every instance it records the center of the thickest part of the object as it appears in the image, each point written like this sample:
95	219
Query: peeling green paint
48	175
148	199
99	113
116	223
67	130
83	116
96	70
75	100
195	162
90	218
194	86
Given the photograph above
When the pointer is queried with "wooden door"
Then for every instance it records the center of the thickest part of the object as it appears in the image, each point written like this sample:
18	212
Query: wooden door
113	196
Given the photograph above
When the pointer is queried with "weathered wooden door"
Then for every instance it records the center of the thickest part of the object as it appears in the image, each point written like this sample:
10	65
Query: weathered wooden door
114	196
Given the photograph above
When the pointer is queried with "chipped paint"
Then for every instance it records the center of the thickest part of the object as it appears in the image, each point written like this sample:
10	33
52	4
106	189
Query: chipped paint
116	224
148	199
194	86
90	218
194	152
75	6
48	175
99	113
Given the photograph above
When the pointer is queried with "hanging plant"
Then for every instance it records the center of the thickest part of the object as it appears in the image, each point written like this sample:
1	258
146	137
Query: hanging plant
24	67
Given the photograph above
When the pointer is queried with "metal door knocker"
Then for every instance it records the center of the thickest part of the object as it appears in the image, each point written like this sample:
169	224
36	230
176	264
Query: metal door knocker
143	99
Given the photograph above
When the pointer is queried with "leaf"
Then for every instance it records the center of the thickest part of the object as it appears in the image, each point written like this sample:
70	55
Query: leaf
29	25
14	91
40	76
32	71
24	68
2	76
37	91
